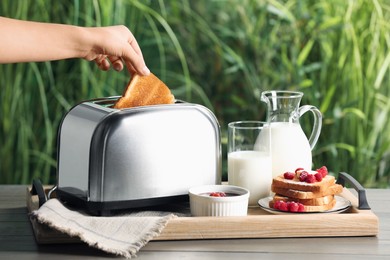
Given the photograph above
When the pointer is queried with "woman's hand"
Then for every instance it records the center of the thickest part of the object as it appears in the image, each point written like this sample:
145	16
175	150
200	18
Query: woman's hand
115	45
25	41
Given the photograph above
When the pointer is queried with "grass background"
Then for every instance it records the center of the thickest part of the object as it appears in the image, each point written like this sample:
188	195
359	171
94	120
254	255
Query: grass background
221	54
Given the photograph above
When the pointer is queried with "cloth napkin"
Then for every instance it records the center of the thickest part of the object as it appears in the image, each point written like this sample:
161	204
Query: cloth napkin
122	235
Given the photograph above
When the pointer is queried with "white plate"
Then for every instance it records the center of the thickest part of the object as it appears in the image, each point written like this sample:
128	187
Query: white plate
342	205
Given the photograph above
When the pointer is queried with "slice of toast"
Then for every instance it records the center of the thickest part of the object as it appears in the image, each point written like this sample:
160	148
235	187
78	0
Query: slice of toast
295	184
143	91
307	202
331	190
313	208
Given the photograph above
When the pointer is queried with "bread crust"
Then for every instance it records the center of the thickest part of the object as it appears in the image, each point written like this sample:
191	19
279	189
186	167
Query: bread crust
295	184
143	91
297	194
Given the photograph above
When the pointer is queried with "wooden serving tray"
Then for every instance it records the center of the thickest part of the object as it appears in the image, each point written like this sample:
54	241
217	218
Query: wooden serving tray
261	224
258	224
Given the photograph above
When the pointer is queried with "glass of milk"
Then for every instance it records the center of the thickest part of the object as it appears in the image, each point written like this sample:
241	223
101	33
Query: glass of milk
249	158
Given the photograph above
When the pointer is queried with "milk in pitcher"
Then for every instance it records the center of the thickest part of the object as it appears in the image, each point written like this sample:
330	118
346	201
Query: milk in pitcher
289	148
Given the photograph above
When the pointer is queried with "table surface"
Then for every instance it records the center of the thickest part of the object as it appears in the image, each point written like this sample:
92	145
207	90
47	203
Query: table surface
17	239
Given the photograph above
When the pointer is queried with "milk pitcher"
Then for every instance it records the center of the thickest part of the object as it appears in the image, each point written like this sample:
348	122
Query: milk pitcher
290	148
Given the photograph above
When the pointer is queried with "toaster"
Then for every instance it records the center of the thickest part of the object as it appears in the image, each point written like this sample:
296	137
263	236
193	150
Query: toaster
111	159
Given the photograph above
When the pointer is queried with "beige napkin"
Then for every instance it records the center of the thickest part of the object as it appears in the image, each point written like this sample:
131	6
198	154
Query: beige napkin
122	235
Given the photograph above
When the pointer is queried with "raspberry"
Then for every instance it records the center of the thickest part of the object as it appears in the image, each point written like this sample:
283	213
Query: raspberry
298	169
293	207
217	194
301	208
303	175
289	175
318	176
277	204
310	178
283	206
323	170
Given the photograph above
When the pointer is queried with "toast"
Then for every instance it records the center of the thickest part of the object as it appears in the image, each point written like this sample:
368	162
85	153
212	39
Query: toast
307	202
301	191
143	91
295	184
297	194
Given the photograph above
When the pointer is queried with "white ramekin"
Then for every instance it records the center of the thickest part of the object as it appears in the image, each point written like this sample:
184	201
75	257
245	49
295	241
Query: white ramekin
203	205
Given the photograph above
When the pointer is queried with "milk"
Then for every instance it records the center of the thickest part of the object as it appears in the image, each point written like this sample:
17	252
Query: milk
250	170
290	148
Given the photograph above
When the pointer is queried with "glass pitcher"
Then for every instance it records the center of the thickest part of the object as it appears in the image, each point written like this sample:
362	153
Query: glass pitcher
290	148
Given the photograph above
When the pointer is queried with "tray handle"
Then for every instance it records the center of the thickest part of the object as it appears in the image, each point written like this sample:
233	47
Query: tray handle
37	189
343	177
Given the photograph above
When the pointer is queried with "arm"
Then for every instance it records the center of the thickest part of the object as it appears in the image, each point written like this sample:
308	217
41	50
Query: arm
25	41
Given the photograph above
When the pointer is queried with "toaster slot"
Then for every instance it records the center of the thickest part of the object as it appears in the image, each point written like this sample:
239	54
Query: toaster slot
110	101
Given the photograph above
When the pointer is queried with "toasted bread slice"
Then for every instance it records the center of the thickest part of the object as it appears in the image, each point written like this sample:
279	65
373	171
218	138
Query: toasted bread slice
143	91
295	184
307	202
331	190
320	208
313	208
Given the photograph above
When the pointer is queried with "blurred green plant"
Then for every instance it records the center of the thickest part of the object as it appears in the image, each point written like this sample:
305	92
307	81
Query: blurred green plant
221	54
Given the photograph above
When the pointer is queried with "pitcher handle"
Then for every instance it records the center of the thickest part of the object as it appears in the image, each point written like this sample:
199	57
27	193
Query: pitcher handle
315	133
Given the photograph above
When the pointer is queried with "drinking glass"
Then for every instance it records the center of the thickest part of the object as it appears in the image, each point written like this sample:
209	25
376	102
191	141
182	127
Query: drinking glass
249	158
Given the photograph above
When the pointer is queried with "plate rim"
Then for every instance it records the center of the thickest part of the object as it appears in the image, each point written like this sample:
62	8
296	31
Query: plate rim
347	204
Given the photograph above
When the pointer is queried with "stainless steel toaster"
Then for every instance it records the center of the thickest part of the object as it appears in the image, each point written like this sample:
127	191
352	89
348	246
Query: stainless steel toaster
110	159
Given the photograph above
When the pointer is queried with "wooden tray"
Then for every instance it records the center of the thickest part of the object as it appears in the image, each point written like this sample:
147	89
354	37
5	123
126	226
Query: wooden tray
258	224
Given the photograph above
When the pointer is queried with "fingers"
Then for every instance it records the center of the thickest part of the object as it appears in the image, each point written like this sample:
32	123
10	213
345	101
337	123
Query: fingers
135	58
103	62
130	68
116	62
135	64
119	48
134	45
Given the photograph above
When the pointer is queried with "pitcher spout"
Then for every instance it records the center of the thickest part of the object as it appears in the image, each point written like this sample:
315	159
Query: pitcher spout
282	105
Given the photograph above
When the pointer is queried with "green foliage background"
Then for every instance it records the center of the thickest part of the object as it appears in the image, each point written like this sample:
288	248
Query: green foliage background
222	54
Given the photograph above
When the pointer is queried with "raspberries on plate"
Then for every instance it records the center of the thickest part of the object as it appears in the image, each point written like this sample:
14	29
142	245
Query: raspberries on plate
290	206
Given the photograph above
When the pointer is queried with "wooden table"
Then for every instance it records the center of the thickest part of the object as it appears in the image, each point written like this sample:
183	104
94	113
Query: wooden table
17	240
